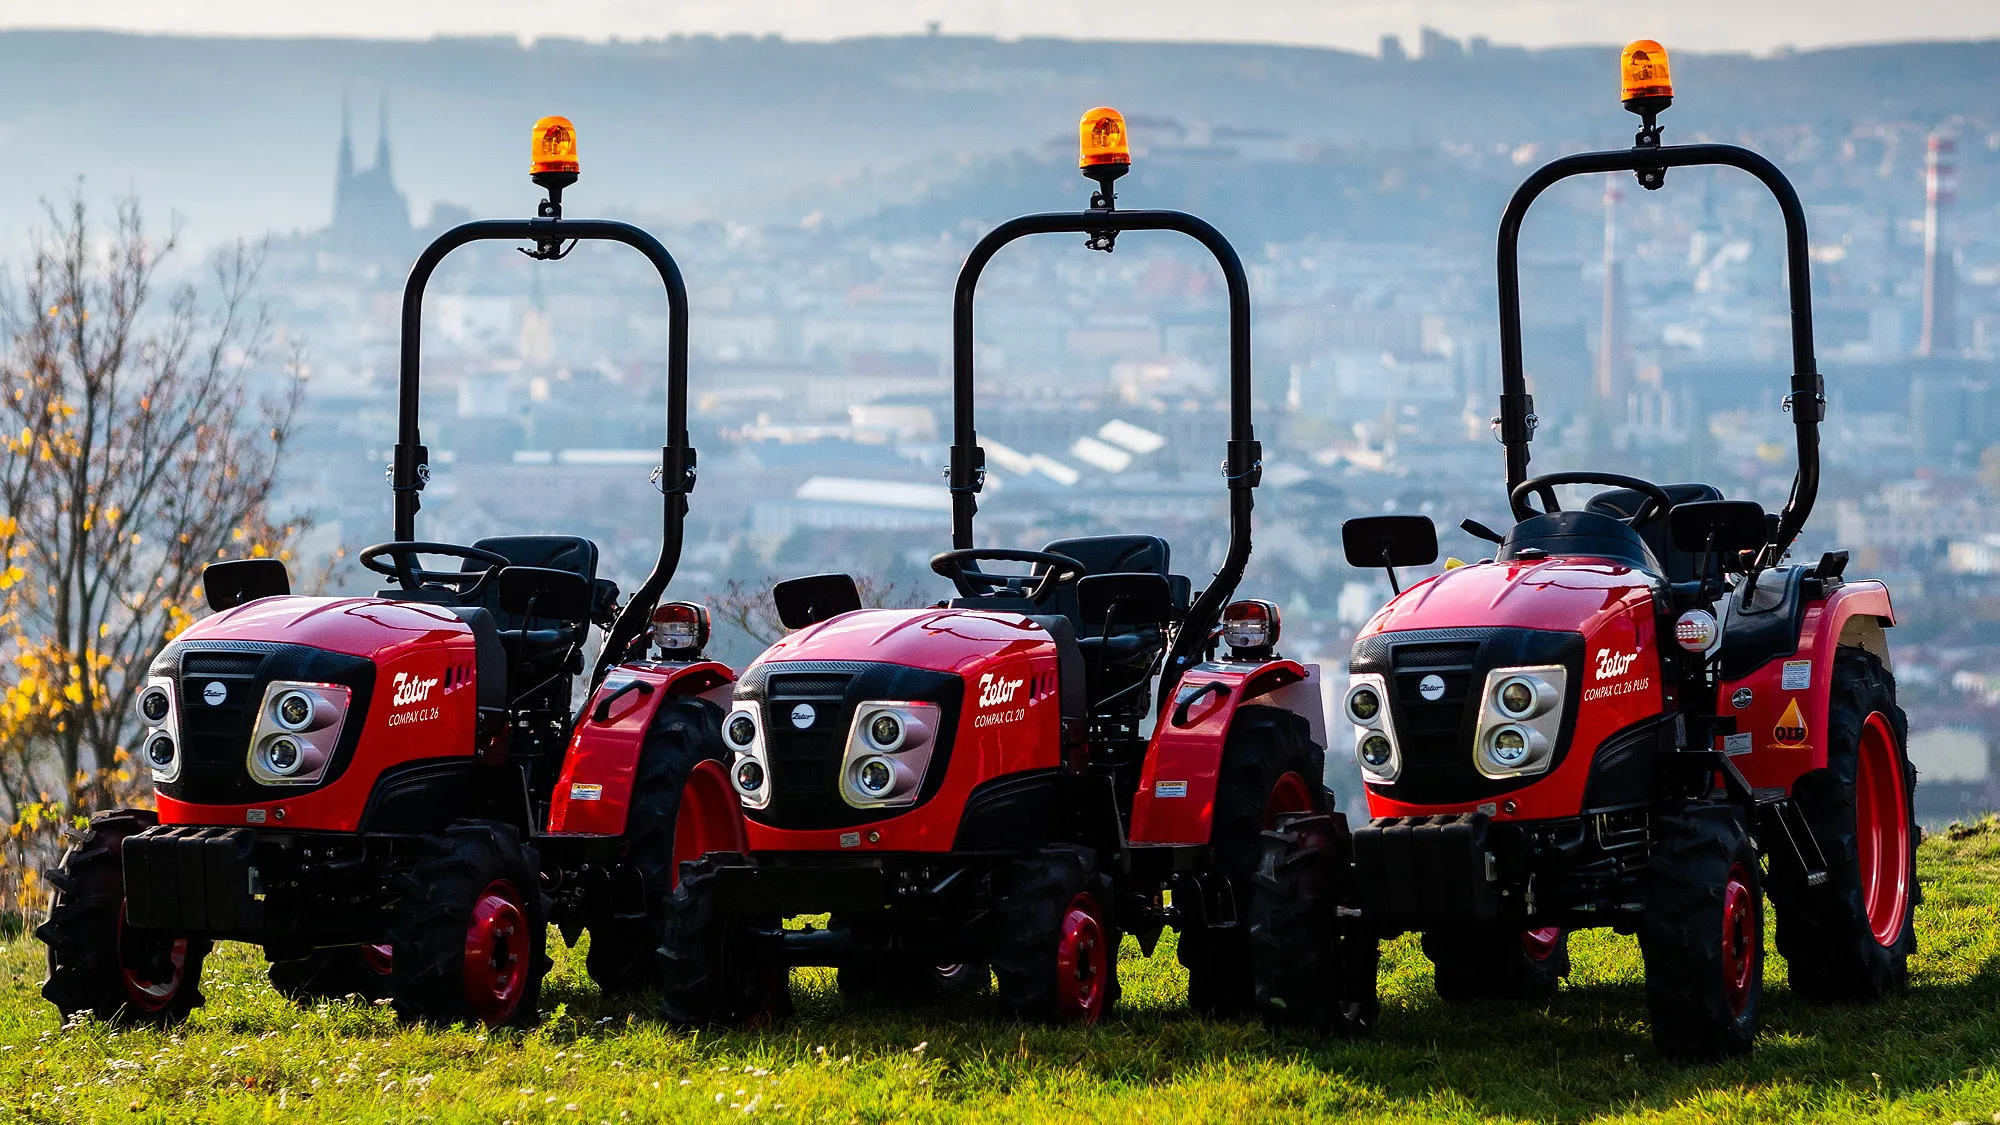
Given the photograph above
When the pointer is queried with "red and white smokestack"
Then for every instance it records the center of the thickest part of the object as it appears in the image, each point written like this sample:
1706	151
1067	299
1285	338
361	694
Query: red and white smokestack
1940	330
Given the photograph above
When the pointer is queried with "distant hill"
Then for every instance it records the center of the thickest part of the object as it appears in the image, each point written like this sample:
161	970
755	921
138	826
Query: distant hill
238	135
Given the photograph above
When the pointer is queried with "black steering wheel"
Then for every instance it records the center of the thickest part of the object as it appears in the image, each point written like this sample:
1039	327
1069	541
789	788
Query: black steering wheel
974	583
403	568
1656	504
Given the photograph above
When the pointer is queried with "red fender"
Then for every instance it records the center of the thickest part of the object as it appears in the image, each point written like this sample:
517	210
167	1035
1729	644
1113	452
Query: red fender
595	788
1773	746
1176	798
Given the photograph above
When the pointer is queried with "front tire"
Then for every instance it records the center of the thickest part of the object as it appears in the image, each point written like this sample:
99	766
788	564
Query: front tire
1850	939
469	935
685	732
1486	962
99	965
1312	970
1056	959
1702	935
708	972
1270	767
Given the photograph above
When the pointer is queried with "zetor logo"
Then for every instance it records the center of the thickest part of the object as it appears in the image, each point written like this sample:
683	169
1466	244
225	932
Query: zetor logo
1611	664
992	691
411	689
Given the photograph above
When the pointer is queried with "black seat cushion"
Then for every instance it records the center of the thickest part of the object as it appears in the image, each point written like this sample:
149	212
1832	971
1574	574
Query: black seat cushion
572	553
489	655
1579	533
1624	503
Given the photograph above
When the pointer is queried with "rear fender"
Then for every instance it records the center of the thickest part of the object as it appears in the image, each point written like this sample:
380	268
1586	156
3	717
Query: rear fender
1176	798
594	790
1773	747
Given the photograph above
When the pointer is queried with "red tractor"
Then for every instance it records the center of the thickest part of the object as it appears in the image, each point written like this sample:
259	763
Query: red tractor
974	784
388	793
1638	715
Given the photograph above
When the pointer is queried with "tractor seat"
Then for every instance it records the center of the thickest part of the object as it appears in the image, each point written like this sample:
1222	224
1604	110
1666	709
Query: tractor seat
1677	565
1588	533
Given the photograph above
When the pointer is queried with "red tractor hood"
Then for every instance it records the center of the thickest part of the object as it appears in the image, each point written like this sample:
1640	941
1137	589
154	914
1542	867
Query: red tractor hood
1568	594
938	640
372	627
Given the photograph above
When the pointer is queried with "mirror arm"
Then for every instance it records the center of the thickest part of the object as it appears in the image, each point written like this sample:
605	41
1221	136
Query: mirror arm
1388	565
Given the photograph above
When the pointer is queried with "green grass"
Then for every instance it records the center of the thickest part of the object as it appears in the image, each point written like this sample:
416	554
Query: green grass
1932	1056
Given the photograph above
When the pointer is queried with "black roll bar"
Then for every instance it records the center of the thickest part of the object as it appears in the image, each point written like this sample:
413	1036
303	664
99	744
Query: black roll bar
1243	464
411	468
1807	400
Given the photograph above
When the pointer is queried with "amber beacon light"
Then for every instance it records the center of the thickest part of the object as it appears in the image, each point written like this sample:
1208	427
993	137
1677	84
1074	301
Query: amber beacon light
553	148
1101	139
1645	84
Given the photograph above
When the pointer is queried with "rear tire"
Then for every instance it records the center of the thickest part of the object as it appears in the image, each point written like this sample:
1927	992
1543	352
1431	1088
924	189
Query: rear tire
1850	939
1056	959
708	973
1312	970
335	974
1485	962
1702	935
685	732
86	928
469	935
1265	747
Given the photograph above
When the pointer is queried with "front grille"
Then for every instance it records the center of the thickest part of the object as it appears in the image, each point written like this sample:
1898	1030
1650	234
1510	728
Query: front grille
805	760
215	736
1436	735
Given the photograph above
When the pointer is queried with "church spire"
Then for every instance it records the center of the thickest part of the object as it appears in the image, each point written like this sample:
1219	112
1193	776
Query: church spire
346	171
382	142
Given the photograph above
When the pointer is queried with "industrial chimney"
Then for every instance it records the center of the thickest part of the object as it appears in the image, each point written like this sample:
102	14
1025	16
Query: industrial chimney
1940	332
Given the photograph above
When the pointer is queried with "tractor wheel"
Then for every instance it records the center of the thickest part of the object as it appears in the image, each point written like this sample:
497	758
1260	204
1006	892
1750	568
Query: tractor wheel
685	733
1056	957
707	972
1702	935
1851	937
96	963
469	935
1311	971
335	974
1497	963
1270	767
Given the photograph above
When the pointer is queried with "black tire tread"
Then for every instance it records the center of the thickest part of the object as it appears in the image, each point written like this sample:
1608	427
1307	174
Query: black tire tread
427	930
706	978
1031	895
1312	971
1680	933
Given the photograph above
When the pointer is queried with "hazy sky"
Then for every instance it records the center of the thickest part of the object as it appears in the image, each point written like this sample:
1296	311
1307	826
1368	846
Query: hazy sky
1753	25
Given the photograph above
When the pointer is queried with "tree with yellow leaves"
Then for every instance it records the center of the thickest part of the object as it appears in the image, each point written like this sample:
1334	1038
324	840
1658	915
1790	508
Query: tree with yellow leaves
135	448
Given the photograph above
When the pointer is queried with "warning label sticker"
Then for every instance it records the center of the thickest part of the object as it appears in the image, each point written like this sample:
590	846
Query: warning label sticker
1797	676
1170	789
1734	744
580	792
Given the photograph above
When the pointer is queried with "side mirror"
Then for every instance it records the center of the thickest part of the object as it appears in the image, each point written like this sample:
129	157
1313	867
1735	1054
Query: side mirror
815	598
1126	599
1727	526
230	584
1391	541
536	591
603	602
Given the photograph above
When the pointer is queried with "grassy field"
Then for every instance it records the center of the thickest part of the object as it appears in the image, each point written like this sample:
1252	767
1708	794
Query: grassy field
1933	1056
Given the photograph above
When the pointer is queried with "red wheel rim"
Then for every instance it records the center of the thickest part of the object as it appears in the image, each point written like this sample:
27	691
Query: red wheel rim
1540	945
149	995
1740	947
496	953
1081	963
1882	830
710	818
378	959
1289	795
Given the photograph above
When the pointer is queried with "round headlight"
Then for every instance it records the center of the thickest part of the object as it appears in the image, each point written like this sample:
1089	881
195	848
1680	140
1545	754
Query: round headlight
749	775
1510	746
294	710
281	755
1364	704
160	751
885	730
875	776
742	730
154	705
1517	697
1375	751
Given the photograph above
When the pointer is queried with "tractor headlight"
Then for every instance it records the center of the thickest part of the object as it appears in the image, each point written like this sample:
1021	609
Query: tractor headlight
298	732
750	761
155	704
162	739
888	753
1375	745
1520	721
160	750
